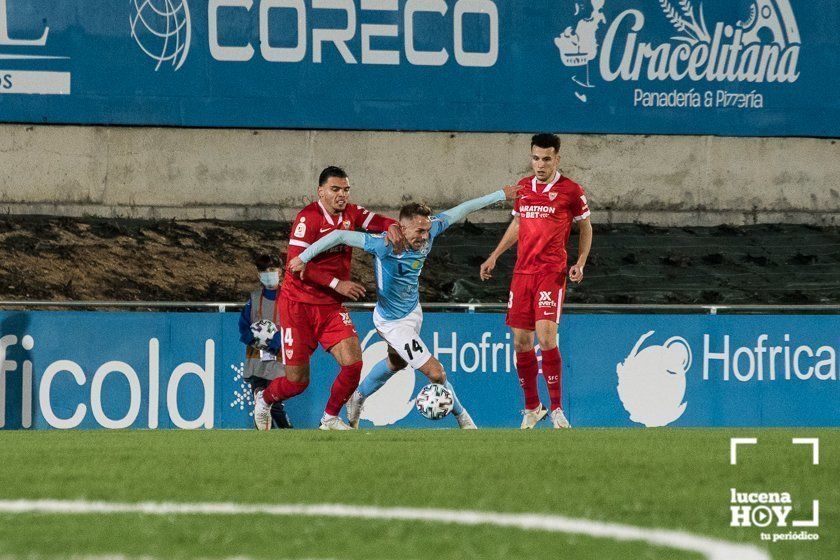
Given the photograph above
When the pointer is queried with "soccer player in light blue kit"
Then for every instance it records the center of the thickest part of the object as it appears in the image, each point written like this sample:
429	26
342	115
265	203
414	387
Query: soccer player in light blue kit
398	316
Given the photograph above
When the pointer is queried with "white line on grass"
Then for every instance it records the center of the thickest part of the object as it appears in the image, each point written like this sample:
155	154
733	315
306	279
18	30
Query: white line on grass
712	549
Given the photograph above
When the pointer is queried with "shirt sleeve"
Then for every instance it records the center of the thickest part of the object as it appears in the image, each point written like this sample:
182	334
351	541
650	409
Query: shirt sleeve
351	238
445	219
370	221
580	208
376	245
246	337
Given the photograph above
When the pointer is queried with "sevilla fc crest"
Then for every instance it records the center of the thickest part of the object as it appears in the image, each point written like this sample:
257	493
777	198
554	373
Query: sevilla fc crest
552	196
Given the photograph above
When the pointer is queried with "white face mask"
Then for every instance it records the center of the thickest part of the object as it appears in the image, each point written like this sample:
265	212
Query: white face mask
270	279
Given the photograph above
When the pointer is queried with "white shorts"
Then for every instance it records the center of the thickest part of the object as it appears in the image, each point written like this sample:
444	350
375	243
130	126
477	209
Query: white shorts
403	335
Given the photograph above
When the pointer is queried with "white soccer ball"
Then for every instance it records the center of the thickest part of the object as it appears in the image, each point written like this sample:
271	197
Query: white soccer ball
263	332
434	401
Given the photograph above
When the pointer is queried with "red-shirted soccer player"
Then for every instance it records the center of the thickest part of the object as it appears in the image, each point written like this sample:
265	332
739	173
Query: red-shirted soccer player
547	206
311	310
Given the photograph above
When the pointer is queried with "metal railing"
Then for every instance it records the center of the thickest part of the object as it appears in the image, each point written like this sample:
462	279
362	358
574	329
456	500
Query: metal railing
222	307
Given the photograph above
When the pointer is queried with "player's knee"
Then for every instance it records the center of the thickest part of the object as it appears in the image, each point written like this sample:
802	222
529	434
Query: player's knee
395	363
547	342
351	352
436	373
298	374
523	345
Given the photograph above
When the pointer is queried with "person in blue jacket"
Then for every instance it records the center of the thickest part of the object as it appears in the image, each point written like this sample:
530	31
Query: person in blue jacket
263	363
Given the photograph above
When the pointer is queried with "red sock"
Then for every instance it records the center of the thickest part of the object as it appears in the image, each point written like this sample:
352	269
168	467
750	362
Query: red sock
552	366
526	369
281	389
345	383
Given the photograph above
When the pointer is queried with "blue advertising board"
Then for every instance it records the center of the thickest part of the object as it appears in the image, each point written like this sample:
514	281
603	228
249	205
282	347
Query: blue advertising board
65	370
724	67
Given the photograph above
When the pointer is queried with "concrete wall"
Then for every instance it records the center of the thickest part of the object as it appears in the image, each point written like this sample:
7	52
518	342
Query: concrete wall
248	174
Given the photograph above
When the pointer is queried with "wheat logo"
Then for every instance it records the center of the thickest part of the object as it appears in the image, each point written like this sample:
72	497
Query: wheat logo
651	381
761	47
162	29
395	399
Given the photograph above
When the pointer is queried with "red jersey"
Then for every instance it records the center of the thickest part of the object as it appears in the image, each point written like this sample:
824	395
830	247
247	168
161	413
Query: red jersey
546	212
324	271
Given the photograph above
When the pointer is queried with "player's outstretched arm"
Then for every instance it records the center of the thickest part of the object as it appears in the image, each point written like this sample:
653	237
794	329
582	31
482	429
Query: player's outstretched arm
460	212
508	240
351	238
584	245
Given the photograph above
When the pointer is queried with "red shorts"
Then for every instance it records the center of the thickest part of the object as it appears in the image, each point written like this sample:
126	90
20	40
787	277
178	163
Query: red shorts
535	297
305	325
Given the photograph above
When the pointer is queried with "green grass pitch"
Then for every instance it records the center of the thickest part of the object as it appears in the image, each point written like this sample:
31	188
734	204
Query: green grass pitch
677	479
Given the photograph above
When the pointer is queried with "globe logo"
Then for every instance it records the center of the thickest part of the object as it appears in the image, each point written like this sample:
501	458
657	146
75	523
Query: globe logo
162	30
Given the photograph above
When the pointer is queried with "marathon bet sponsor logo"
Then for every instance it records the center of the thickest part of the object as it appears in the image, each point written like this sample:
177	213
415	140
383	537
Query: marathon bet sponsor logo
536	211
761	47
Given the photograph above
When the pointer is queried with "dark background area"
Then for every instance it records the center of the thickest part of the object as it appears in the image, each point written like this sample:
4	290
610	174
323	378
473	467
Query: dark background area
51	258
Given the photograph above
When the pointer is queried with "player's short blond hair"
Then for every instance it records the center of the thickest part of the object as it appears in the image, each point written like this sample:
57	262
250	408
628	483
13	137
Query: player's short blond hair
415	209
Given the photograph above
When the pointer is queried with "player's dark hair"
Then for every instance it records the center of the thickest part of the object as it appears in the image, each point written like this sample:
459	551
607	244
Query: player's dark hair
415	209
329	173
545	141
264	262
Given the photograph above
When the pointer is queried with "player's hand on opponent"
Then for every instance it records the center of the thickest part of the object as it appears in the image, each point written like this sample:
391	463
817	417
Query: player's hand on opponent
297	265
350	289
576	273
487	268
511	191
395	237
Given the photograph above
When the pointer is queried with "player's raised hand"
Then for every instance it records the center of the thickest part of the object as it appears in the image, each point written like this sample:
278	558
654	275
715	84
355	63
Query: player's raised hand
576	273
395	237
350	289
297	265
511	191
487	268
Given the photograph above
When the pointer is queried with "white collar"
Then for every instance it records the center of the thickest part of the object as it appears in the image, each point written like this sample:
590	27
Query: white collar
328	216
547	186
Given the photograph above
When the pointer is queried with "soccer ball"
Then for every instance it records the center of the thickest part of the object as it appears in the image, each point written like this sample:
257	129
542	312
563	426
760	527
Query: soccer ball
434	401
263	332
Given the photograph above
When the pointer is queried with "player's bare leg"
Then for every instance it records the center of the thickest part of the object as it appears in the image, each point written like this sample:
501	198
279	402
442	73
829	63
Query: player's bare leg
527	369
293	383
348	354
552	366
434	371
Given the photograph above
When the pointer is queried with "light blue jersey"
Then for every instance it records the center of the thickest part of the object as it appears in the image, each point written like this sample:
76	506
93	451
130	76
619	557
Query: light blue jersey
398	275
